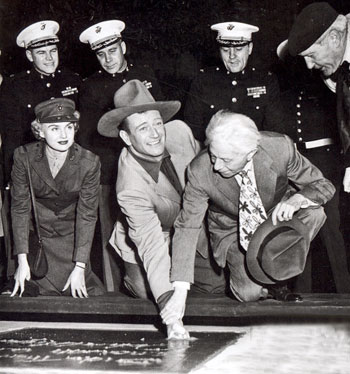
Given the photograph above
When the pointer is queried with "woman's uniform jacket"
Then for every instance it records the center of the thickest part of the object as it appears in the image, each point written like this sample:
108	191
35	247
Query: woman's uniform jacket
276	163
66	206
150	208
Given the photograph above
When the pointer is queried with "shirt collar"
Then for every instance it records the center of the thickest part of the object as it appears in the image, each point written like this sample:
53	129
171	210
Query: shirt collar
151	167
248	169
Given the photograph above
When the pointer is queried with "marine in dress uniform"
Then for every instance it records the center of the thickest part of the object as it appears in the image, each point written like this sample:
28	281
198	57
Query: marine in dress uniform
98	90
96	98
25	90
234	84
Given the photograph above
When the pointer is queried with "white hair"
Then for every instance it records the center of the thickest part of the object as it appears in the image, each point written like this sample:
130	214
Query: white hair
236	130
339	25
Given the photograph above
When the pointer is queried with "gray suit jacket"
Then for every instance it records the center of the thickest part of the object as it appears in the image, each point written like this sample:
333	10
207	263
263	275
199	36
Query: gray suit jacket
142	234
276	164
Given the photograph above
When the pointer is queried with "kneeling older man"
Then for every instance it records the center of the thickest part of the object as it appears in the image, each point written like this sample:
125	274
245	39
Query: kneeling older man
241	179
150	181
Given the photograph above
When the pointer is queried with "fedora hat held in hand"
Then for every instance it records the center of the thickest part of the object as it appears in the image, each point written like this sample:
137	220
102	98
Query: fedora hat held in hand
277	253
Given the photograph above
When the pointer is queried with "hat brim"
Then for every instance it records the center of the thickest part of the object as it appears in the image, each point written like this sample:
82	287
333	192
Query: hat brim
282	50
255	245
109	123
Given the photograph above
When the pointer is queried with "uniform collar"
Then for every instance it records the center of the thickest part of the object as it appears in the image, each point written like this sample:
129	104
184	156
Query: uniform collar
118	74
40	152
43	76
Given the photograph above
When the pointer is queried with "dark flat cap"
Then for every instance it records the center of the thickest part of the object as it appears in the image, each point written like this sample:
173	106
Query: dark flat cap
56	110
309	25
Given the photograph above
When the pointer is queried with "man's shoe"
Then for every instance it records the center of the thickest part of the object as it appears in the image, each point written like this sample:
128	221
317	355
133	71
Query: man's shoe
282	293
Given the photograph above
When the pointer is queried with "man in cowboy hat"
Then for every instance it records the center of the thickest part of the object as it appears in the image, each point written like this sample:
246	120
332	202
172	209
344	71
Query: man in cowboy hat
238	181
322	37
233	84
151	177
23	91
96	98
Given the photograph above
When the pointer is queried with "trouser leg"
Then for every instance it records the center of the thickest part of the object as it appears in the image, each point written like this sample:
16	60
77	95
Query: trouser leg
108	210
135	281
334	242
242	285
208	276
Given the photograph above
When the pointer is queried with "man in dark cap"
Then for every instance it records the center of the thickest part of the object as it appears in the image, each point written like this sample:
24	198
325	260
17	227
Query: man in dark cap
22	92
241	179
322	37
233	84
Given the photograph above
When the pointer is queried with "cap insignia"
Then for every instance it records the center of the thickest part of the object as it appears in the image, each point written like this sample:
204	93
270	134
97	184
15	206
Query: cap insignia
230	27
98	29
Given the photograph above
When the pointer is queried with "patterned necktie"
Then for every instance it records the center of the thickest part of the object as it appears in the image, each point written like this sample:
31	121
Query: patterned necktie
251	210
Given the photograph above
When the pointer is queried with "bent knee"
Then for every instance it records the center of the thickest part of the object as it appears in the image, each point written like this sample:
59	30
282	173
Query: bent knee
247	293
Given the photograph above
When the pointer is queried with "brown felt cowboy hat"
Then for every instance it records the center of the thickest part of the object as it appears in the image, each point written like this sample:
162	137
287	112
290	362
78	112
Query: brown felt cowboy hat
133	97
277	253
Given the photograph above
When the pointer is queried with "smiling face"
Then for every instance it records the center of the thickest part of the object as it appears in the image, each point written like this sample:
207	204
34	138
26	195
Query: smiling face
145	134
235	59
58	136
45	59
111	58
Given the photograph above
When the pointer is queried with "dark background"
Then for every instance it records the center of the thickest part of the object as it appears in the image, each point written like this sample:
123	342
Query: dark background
172	36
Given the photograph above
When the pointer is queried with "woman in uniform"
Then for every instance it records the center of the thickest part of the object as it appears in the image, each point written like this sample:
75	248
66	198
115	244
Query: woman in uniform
65	179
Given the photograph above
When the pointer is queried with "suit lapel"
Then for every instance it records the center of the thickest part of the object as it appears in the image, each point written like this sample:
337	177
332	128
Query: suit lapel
162	188
266	177
40	165
70	166
227	186
165	188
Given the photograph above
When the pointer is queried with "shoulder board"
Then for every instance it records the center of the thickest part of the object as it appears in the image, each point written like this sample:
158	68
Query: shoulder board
29	147
87	154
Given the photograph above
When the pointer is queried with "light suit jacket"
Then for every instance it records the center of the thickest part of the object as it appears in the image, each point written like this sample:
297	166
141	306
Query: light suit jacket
143	232
276	164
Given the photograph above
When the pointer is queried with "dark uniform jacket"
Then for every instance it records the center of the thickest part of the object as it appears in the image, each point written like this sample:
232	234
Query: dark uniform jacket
66	206
96	98
20	95
309	115
250	92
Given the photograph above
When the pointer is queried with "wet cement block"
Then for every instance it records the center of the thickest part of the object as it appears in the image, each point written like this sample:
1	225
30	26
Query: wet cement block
66	350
